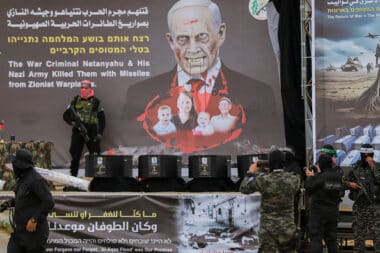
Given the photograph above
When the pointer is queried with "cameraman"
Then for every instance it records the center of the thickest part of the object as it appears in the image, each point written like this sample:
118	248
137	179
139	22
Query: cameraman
323	185
32	203
364	180
278	188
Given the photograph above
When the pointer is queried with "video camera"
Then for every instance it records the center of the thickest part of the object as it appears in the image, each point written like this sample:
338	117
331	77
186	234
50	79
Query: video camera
313	168
262	162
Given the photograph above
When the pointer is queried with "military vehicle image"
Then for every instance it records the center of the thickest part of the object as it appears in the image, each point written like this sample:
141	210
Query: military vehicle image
331	68
352	64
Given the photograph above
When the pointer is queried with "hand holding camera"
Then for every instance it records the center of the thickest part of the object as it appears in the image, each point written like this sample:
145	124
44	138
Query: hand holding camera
259	166
312	170
253	168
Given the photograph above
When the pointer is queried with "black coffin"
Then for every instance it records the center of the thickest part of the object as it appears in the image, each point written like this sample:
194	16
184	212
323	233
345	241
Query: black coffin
106	166
209	166
159	166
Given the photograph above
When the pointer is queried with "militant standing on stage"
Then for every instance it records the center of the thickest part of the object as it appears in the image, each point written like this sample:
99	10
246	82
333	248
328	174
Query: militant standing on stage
324	186
364	180
86	115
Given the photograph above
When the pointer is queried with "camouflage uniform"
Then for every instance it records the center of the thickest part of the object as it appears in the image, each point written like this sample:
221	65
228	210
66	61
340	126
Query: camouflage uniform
41	152
277	227
366	209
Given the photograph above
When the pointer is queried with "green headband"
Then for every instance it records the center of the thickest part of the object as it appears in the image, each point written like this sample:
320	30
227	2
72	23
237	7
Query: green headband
329	151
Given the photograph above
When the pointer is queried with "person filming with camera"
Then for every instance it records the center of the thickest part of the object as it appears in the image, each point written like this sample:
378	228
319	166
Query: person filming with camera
323	185
32	203
278	188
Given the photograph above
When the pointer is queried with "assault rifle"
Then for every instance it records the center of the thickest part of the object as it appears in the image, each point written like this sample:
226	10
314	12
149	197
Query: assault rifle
363	189
79	124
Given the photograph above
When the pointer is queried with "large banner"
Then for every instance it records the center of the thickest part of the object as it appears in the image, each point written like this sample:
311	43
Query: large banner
177	223
347	58
147	76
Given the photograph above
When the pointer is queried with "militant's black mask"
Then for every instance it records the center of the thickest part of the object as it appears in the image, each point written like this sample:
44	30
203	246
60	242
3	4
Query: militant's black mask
276	160
19	171
22	162
324	162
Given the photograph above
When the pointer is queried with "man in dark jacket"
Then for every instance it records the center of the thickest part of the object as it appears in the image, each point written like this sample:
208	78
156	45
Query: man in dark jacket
323	185
86	115
32	203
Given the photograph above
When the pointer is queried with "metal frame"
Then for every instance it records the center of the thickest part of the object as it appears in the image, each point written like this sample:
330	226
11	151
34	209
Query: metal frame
307	84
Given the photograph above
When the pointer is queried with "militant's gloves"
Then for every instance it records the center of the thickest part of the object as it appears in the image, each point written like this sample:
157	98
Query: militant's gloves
98	137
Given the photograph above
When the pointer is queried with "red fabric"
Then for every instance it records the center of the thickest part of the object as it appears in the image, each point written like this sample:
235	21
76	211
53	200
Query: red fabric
189	141
86	93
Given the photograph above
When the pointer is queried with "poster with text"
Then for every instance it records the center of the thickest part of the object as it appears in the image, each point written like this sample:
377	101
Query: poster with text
347	58
170	223
173	77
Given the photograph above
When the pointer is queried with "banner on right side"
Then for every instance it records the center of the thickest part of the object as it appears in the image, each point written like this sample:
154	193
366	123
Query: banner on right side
346	71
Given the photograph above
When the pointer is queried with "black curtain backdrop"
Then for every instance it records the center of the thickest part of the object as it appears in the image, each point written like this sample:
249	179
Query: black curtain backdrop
290	48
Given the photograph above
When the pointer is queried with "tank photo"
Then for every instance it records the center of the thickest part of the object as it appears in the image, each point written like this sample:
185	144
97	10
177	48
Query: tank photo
352	64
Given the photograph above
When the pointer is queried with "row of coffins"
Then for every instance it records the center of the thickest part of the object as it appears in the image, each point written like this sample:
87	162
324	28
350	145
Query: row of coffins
347	142
168	166
157	173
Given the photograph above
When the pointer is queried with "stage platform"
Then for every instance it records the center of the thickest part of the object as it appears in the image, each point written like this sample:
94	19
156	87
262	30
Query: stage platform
226	219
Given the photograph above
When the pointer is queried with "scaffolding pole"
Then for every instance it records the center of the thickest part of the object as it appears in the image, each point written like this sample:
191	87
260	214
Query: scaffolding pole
306	81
